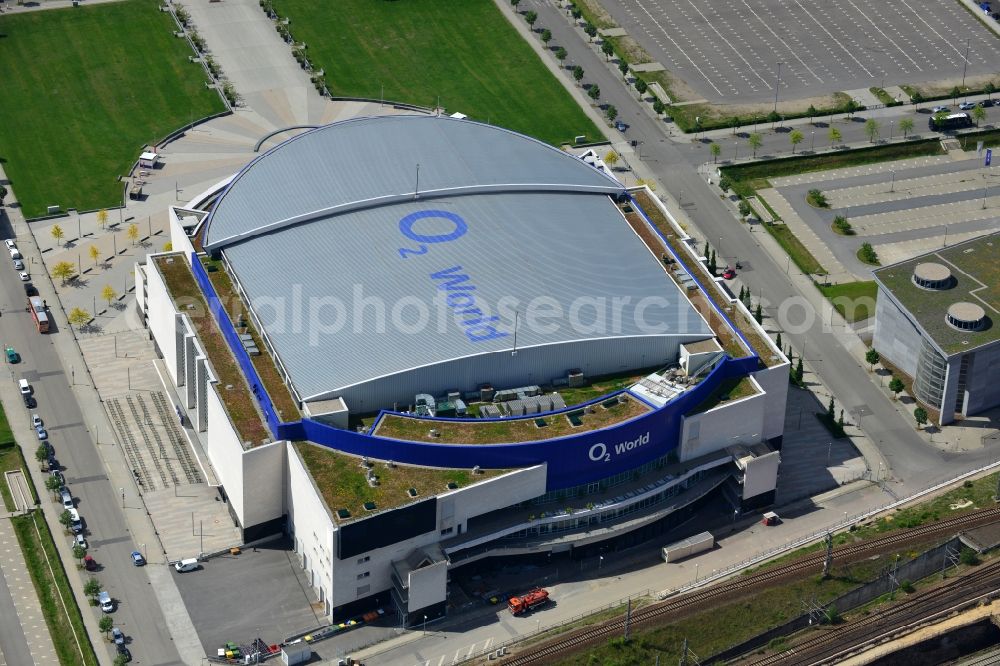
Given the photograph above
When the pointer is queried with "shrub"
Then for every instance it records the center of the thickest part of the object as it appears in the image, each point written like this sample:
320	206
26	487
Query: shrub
842	226
817	199
868	255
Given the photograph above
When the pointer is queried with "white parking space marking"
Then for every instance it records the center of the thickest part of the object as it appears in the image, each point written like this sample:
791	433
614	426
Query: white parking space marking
922	20
889	39
729	44
783	43
834	39
678	47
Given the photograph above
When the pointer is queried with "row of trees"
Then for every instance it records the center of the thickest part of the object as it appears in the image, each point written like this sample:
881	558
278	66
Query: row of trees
896	386
132	232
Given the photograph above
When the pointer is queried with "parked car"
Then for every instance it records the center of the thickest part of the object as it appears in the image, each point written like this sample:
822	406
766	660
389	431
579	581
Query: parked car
124	654
80	541
89	563
10	242
66	497
22	384
941	109
137	558
12	356
24	276
36	421
29	401
117	636
105	601
29	289
189	564
620	126
967	106
14	253
42	433
729	273
18	265
987	103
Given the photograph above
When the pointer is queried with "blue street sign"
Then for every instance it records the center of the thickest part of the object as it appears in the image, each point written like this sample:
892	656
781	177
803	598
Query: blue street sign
989	156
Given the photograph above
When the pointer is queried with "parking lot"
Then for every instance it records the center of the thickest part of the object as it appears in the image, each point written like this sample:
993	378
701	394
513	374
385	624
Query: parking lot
259	593
731	49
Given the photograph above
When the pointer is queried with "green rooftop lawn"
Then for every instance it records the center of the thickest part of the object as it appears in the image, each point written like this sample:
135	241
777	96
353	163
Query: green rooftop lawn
971	270
277	390
419	51
476	431
727	391
342	480
83	89
238	401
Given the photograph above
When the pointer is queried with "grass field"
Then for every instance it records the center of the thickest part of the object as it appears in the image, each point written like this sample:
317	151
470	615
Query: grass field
83	89
39	554
853	300
465	53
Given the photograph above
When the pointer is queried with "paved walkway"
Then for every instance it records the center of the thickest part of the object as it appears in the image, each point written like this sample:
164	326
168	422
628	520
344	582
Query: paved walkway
836	271
17	586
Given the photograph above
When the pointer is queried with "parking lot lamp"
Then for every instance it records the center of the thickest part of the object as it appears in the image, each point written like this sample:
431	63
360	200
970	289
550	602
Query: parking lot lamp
777	84
892	183
425	625
965	65
890	130
812	141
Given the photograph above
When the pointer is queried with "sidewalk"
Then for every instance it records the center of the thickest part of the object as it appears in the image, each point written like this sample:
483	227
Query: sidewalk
25	598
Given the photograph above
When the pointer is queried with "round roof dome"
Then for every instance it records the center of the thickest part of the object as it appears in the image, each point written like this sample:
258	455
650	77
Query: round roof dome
966	316
931	275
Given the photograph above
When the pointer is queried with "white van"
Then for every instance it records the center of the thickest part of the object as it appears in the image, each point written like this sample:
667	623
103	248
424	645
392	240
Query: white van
75	523
67	499
189	564
105	601
24	386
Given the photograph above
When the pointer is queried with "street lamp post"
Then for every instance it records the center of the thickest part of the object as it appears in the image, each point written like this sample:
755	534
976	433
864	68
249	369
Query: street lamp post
425	625
812	141
122	491
890	130
965	65
600	562
892	183
777	84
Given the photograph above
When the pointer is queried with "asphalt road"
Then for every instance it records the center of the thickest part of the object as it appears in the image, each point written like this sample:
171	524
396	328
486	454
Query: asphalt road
100	505
913	463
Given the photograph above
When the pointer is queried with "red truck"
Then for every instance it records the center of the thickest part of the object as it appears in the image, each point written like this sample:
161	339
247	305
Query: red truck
522	604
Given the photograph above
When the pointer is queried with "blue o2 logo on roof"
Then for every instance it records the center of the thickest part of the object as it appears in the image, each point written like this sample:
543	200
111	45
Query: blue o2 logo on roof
599	452
406	228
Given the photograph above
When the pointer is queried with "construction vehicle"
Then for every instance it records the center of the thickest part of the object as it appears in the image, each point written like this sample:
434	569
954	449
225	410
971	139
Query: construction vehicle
526	602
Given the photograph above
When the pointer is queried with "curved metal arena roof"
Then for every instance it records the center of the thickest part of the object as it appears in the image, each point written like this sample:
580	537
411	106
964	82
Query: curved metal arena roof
341	262
367	162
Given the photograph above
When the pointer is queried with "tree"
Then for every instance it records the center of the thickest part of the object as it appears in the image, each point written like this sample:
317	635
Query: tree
105	624
868	254
641	87
811	112
63	270
834	135
608	49
773	117
57	233
906	126
659	107
871	129
800	371
102	218
594	92
896	386
716	150
108	293
611	112
989	89
871	358
777	340
515	3
79	317
92	586
133	232
561	54
916	98
52	484
758	314
168	246
120	660
42	452
65	519
734	122
546	36
956	92
743	293
623	67
79	552
831	408
754	141
3	194
705	250
531	17
920	416
978	114
712	266
591	31
94	253
795	138
578	73
842	226
611	158
851	107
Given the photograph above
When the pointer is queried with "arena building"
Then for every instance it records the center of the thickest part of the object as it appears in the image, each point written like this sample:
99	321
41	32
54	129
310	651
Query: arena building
416	342
936	320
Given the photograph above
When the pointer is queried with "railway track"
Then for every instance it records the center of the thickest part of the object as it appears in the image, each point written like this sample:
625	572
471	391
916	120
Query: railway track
827	647
742	585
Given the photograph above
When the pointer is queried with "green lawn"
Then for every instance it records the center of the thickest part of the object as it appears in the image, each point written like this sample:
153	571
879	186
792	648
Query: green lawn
853	300
83	89
465	53
53	589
